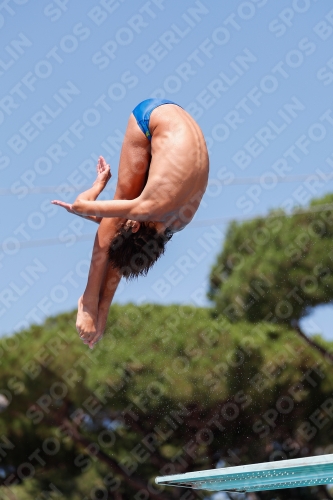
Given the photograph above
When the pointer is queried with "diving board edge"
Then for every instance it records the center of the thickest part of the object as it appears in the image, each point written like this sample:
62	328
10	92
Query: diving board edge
309	471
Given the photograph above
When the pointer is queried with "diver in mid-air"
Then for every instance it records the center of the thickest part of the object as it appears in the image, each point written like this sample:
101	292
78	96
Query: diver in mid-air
163	174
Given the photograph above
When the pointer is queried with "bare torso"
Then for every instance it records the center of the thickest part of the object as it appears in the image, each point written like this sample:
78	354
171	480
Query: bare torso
179	166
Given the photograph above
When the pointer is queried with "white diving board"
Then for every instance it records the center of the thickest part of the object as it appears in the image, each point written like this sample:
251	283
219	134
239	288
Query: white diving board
309	471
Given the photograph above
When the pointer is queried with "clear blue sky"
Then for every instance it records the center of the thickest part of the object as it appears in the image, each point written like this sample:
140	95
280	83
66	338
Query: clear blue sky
257	76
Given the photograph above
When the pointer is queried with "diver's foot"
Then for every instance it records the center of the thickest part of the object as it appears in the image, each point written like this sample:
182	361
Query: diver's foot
86	320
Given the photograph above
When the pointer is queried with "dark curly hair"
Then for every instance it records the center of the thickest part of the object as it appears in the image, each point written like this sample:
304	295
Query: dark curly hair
135	253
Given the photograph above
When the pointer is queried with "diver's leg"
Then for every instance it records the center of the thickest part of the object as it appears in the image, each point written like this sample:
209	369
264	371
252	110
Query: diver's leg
132	175
134	163
108	289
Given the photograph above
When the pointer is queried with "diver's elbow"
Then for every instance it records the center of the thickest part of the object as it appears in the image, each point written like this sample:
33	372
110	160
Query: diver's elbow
143	211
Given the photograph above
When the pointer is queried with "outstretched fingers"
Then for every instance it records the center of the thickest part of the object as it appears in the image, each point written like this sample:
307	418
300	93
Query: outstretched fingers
103	162
101	165
66	206
103	171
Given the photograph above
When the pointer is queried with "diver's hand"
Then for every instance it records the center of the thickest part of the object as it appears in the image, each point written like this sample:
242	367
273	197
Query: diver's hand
103	173
63	204
68	207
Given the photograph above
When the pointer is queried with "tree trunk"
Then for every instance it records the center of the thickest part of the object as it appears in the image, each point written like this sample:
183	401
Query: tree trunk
132	480
327	355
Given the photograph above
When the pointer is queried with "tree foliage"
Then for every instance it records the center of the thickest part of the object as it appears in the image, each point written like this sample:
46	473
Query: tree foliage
276	268
169	389
175	389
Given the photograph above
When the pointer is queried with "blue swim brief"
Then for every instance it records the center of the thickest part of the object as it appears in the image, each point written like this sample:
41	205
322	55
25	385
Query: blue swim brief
143	111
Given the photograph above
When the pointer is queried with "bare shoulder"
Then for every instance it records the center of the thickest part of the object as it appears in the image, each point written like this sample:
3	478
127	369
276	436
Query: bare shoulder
177	134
